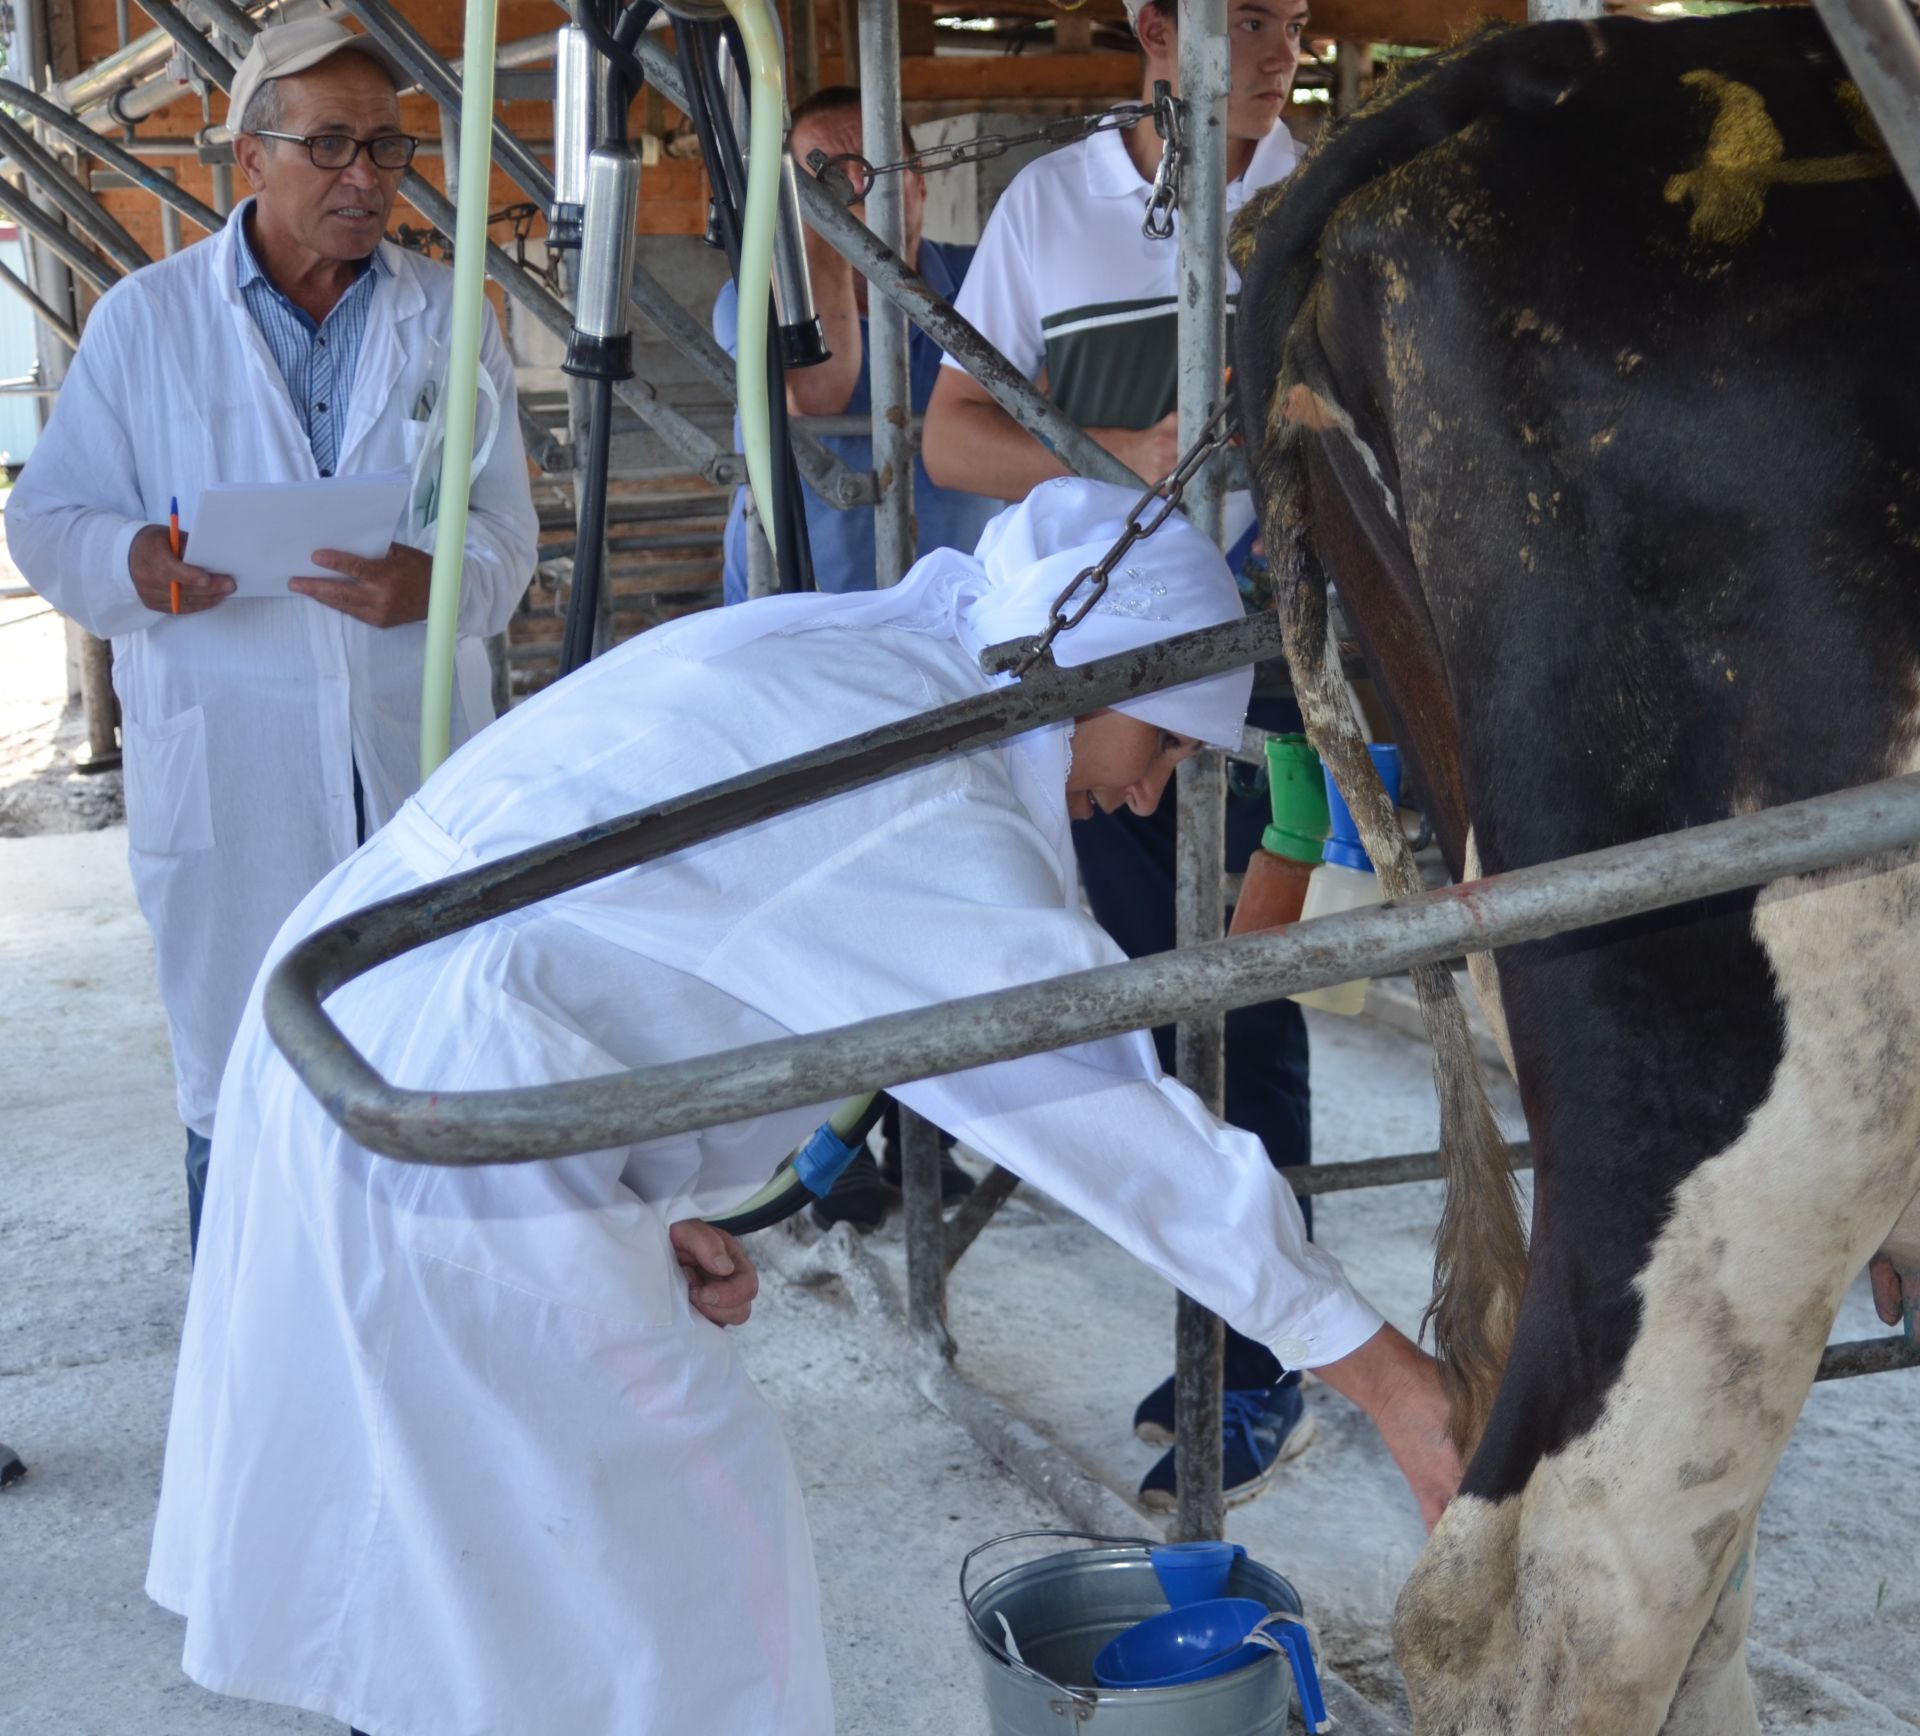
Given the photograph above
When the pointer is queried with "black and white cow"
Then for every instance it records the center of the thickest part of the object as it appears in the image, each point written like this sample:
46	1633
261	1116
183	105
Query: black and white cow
1586	363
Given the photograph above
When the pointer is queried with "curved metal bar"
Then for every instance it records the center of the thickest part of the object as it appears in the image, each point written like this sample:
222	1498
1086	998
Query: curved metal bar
16	95
348	948
43	229
619	1109
81	207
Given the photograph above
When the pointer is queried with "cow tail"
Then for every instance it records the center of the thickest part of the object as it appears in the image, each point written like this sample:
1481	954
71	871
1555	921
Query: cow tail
1480	1255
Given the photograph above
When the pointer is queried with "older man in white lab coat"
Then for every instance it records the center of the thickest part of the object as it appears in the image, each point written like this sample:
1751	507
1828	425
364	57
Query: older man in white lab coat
452	1450
265	738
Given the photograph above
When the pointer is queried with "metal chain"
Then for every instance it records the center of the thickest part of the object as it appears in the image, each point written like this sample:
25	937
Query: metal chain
934	157
1164	200
1213	437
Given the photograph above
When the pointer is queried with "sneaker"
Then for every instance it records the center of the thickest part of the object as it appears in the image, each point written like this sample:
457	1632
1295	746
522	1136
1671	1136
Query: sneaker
856	1198
955	1183
1153	1417
1261	1429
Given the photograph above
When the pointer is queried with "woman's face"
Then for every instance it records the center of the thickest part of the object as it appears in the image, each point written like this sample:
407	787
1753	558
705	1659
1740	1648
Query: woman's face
1122	762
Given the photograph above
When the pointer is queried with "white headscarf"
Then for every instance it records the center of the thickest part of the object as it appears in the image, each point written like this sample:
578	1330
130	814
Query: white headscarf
1173	582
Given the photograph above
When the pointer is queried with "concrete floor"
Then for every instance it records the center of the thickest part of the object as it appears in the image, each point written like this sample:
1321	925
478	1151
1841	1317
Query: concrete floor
1048	1315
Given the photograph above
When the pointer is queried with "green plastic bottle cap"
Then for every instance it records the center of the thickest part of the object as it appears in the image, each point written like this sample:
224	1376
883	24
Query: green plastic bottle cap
1299	790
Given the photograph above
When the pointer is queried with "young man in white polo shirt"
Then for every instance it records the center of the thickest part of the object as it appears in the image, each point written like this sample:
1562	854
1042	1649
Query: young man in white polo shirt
1068	288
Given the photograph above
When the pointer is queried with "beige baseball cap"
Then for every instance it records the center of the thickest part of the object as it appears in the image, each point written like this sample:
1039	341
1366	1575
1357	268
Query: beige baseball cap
281	50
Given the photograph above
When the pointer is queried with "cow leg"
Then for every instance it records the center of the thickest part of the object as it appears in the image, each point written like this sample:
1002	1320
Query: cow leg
1573	1598
1715	1697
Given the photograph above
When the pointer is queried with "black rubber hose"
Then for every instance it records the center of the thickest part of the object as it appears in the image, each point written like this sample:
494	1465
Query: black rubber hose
589	554
697	50
796	1195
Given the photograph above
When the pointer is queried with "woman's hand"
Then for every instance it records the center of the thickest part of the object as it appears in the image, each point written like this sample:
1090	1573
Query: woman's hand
721	1281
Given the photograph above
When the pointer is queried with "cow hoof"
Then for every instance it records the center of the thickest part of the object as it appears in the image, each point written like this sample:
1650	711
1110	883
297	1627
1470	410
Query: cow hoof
11	1467
1896	1296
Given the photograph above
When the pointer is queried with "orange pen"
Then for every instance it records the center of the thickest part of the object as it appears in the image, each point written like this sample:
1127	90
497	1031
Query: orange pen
173	538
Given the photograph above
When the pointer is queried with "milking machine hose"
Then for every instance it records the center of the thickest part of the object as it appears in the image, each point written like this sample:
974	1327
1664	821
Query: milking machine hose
461	392
697	49
811	1171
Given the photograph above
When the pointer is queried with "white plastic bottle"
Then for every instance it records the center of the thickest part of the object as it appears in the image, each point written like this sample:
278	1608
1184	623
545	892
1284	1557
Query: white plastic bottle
1334	888
1345	881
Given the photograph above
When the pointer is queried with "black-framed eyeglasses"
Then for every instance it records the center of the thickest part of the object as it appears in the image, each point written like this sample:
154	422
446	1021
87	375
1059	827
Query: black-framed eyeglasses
337	150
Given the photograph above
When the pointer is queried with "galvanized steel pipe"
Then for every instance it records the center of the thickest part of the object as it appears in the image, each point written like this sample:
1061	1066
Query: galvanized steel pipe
619	1109
1200	855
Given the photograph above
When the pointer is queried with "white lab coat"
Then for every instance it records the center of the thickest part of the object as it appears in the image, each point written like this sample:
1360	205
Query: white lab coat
241	725
450	1452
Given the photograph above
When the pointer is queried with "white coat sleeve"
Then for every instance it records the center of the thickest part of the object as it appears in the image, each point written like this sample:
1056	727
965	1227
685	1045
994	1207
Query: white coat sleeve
958	897
503	530
77	507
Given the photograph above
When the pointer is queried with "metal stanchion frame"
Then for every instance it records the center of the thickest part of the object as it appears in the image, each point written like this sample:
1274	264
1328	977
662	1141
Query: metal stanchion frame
1204	978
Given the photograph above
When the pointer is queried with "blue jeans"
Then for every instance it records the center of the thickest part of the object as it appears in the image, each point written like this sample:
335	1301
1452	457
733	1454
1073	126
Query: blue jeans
199	1148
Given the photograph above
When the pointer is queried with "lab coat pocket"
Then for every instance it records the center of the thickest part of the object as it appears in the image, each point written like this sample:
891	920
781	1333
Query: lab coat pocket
169	805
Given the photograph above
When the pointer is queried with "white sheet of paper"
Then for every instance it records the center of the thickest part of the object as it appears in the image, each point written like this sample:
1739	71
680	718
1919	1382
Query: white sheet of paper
264	533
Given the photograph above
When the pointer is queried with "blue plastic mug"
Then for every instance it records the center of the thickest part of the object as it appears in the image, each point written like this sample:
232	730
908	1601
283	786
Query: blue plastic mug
1194	1572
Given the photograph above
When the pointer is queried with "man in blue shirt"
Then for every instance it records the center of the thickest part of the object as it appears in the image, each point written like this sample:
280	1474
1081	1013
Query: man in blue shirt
842	538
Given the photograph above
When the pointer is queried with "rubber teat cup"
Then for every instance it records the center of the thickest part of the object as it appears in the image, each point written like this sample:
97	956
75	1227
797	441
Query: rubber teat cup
1274	888
1193	1572
1298	788
1343	841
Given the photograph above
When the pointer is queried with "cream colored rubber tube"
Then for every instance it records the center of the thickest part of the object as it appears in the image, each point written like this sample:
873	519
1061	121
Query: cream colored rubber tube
766	141
461	390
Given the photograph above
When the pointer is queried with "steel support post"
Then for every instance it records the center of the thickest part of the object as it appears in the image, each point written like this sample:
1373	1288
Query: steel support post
803	36
1880	42
1199	903
170	237
893	553
886	320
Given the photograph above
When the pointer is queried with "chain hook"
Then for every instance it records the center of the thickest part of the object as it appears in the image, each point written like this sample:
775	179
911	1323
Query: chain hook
1164	200
1217	433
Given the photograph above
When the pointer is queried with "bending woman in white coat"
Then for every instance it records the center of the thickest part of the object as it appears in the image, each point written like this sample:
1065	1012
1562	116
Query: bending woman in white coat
452	1451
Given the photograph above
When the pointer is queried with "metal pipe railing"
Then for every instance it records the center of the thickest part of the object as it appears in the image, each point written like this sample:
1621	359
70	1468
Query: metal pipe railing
193	42
1048	695
124	162
79	204
58	241
885	271
60	327
619	1109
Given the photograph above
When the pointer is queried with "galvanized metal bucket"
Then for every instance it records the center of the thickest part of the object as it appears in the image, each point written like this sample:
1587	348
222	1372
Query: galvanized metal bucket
1062	1608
